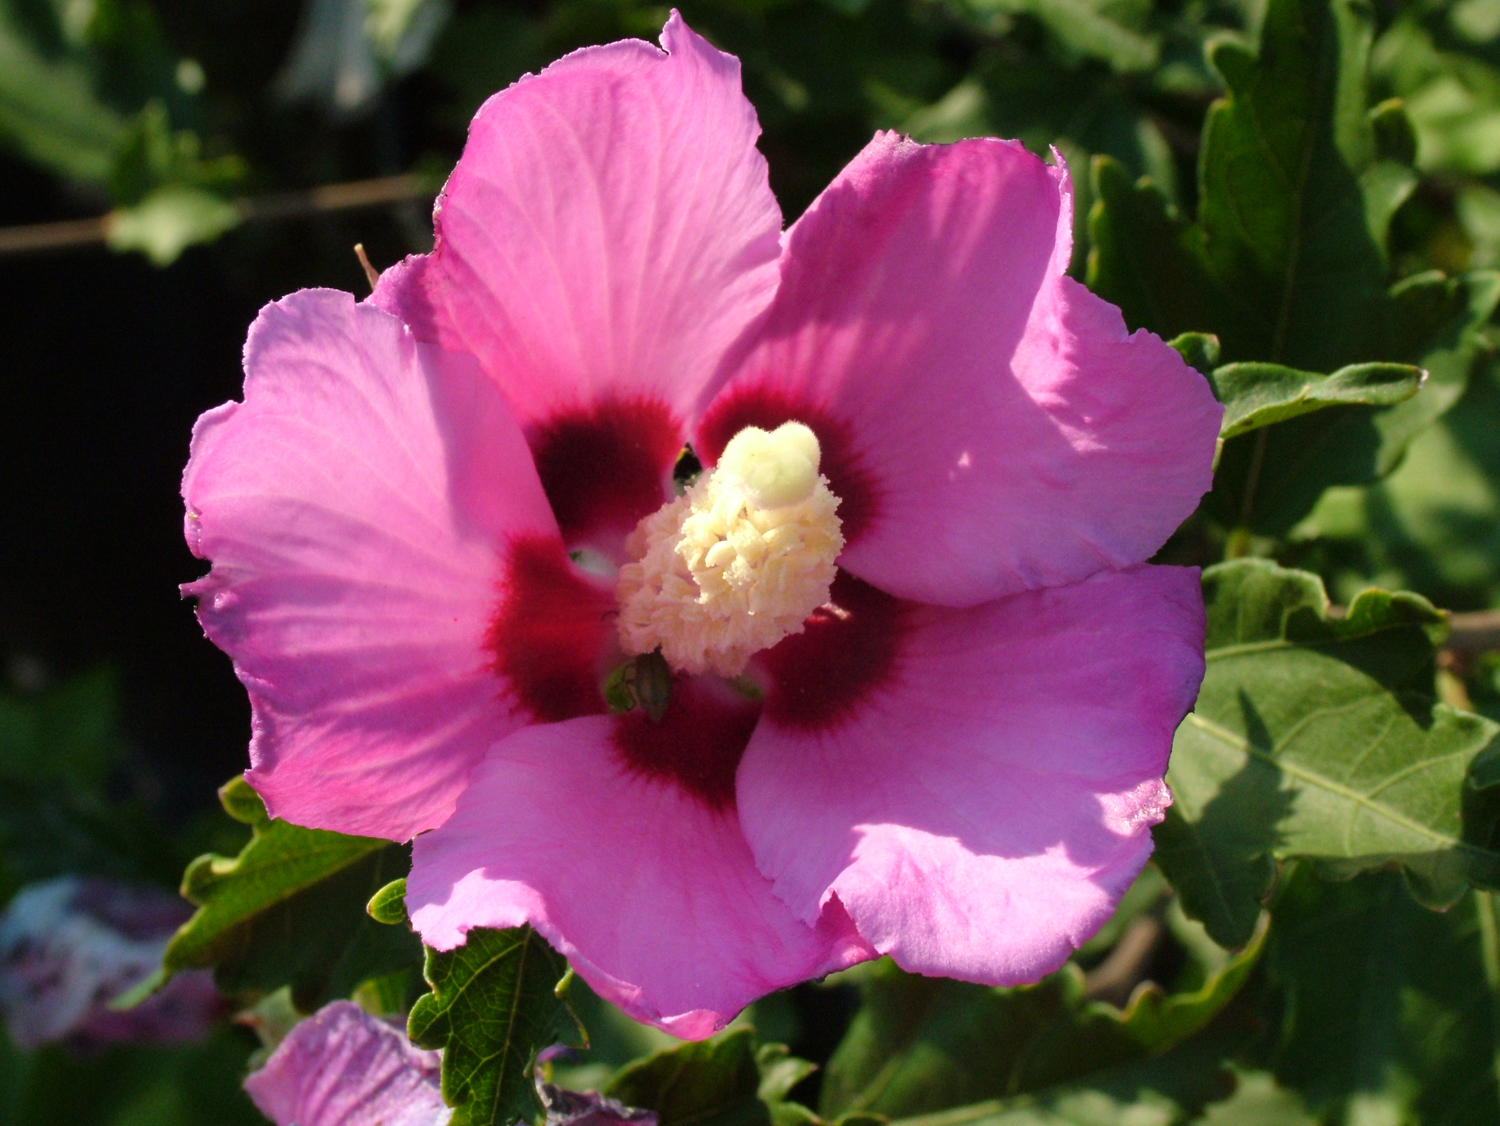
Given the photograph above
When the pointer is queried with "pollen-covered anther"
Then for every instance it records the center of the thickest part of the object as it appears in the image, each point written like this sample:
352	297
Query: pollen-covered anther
739	561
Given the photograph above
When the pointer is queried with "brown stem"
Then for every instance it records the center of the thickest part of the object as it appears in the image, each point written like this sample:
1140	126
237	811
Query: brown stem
1115	978
37	237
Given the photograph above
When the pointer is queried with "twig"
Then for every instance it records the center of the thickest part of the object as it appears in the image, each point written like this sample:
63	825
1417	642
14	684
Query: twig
69	233
1474	632
53	236
1115	978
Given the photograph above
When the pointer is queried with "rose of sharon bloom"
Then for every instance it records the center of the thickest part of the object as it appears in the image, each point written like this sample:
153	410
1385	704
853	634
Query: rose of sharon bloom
343	1067
69	946
922	683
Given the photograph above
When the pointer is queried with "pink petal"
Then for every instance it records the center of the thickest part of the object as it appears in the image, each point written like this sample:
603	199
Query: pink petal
606	234
646	886
983	807
343	1067
356	508
986	420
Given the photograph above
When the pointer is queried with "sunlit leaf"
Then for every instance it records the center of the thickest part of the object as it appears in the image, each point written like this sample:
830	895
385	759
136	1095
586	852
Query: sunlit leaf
289	910
1256	395
170	220
1317	736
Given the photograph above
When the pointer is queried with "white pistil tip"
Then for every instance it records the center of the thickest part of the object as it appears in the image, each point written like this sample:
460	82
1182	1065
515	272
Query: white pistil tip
737	563
776	468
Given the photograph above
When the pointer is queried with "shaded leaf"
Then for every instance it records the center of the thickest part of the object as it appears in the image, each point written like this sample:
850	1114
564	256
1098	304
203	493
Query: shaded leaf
1270	480
289	910
128	1084
1379	1010
495	1002
921	1044
1147	259
1316	736
67	803
1437	323
1282	211
1259	1101
713	1082
1199	349
48	111
1085	27
1164	1090
1388	181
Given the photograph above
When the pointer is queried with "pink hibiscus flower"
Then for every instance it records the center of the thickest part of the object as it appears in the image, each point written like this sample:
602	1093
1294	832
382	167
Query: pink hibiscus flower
923	684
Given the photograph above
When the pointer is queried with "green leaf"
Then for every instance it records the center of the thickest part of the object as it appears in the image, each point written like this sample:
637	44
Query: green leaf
710	1083
1437	323
1165	1090
388	905
1297	184
780	1071
1146	258
1259	1101
1388	181
1269	481
921	1044
1453	99
48	111
495	1002
1432	524
1258	394
1085	27
1380	1011
1282	210
134	1084
289	910
1316	736
168	221
1199	349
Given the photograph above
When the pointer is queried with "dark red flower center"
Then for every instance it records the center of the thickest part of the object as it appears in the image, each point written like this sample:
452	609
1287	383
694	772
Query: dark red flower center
553	634
605	466
844	655
697	744
550	632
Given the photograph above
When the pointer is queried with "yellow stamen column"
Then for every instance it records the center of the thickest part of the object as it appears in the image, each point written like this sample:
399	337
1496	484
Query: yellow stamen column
737	563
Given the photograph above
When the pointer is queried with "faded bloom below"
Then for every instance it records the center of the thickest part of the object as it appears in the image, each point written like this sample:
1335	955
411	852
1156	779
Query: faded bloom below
69	946
912	685
343	1067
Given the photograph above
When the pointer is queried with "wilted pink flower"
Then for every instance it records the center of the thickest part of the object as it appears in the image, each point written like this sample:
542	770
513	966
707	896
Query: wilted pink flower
343	1067
955	762
70	946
